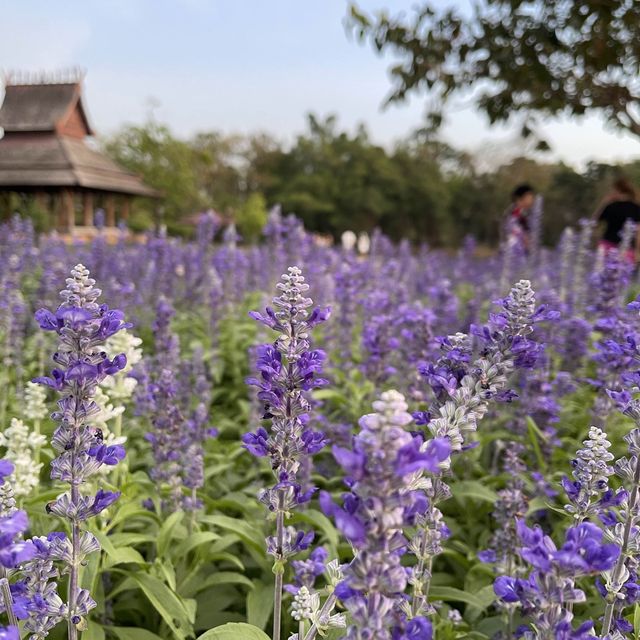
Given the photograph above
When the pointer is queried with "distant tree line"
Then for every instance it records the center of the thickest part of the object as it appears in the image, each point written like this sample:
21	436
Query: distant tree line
420	189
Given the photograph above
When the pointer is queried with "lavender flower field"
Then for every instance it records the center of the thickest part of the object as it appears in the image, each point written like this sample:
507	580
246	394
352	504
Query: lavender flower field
287	441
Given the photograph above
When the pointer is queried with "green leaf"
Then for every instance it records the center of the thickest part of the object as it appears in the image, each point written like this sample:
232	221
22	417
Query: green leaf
166	572
166	532
260	604
537	504
250	535
94	632
224	577
234	631
132	633
535	435
451	594
193	541
125	585
213	607
124	555
129	539
191	606
226	557
216	470
473	490
224	543
490	626
166	603
330	394
127	512
486	595
117	555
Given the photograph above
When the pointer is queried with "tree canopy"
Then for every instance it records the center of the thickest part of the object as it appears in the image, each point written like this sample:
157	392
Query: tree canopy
420	188
516	58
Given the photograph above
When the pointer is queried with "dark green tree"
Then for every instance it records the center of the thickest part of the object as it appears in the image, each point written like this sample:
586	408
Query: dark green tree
337	181
420	189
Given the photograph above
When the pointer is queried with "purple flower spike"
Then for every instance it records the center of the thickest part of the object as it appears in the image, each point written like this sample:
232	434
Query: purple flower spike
384	459
287	370
555	571
82	326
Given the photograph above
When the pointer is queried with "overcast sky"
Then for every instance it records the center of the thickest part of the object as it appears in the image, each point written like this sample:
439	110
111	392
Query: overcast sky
246	65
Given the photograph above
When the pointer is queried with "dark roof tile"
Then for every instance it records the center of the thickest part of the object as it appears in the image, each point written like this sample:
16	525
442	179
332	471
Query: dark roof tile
37	107
53	161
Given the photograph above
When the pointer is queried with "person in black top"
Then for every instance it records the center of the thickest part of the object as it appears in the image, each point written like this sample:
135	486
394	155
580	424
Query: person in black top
621	205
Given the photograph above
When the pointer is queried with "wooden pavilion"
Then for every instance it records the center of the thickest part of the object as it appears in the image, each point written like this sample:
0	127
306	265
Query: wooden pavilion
46	154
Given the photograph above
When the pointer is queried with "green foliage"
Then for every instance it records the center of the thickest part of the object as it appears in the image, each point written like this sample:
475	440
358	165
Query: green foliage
252	217
234	631
526	58
27	206
164	162
421	189
141	219
131	633
175	577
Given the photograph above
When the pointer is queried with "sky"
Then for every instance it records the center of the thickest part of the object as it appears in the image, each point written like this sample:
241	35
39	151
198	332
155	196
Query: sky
241	66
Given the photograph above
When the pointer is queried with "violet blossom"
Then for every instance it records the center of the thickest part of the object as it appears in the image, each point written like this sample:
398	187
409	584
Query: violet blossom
546	596
83	326
589	492
289	369
13	549
379	469
505	344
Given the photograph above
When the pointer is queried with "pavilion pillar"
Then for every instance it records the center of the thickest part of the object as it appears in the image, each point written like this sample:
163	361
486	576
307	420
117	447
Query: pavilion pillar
126	208
110	211
68	211
5	202
41	201
87	209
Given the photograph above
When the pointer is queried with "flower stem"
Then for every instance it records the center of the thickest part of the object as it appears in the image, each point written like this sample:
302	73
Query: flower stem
3	401
191	525
510	613
7	599
419	593
278	569
72	595
120	468
327	608
617	570
36	452
73	570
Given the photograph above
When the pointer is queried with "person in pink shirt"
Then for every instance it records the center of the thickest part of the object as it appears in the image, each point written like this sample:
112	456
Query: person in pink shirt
518	227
